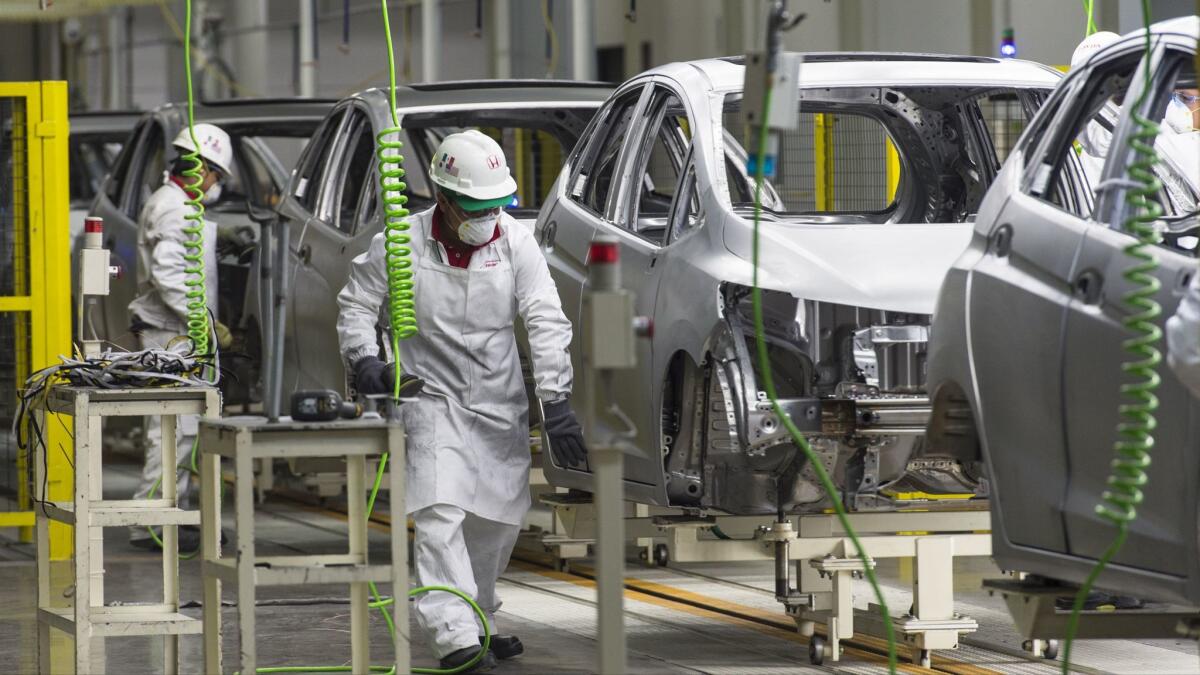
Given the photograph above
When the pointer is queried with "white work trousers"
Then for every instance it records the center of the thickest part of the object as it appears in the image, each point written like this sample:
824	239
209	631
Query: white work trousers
185	435
461	550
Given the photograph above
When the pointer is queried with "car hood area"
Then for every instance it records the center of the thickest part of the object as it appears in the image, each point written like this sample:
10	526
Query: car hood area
894	267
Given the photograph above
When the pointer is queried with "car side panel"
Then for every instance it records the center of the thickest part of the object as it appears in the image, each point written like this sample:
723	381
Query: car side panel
1016	302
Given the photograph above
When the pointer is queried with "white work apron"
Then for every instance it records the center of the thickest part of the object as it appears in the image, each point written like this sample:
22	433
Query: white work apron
468	437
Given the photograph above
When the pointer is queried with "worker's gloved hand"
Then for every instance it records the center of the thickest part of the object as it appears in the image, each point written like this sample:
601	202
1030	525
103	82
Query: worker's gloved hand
564	433
224	337
373	376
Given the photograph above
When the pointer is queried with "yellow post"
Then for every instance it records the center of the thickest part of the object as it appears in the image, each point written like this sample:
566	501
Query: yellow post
41	258
892	159
522	170
823	160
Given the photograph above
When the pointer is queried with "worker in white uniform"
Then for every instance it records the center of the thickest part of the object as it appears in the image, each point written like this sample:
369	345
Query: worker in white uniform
159	312
1183	329
1092	144
476	270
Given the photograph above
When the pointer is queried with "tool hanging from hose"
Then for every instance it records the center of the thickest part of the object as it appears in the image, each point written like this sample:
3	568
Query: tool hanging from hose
1136	430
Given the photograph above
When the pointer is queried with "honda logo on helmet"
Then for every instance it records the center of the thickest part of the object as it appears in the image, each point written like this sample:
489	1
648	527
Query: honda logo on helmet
493	162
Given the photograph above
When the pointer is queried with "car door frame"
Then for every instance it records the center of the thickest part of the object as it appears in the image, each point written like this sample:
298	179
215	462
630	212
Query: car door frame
1151	543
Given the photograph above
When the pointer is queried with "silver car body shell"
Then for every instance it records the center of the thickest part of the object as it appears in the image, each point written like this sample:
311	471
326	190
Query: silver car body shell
1034	389
887	266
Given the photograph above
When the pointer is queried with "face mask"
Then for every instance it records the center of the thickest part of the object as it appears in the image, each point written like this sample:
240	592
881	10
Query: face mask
212	195
1179	117
477	231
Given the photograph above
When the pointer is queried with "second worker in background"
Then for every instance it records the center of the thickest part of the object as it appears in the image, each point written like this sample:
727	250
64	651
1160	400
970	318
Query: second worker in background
476	270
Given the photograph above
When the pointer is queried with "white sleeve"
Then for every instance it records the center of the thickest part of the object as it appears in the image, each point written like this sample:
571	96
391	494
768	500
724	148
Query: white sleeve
168	274
360	301
540	308
1183	338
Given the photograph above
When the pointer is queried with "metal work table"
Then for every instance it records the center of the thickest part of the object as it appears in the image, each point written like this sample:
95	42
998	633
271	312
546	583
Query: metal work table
245	440
90	514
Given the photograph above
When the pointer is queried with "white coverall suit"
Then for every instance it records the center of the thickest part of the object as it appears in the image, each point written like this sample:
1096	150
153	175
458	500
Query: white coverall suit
468	441
160	308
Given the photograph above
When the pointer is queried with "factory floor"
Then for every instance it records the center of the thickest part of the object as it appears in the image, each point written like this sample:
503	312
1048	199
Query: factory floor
712	618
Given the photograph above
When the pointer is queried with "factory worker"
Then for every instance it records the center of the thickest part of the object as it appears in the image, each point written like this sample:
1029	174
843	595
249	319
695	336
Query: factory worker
1180	137
159	312
1183	338
1092	144
476	271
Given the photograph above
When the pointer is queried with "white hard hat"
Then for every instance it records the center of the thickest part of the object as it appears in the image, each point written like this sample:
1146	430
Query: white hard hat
1092	44
472	165
215	147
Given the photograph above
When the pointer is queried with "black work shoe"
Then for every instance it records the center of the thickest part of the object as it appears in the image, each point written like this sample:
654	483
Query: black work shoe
456	659
505	646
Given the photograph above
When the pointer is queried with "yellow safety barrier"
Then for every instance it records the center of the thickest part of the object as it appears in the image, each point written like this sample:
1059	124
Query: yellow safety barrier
35	305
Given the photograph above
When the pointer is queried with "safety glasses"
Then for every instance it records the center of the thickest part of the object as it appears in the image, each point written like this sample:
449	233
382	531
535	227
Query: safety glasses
1189	100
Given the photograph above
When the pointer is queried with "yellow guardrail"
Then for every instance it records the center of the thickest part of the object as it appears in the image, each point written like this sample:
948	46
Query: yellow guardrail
37	131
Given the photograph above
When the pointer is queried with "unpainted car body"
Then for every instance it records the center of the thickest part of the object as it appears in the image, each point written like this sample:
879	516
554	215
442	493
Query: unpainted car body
849	275
1025	358
267	135
331	206
94	144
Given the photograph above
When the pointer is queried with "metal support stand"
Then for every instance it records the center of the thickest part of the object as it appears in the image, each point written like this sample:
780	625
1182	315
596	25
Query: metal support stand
90	514
1032	604
249	439
824	561
608	464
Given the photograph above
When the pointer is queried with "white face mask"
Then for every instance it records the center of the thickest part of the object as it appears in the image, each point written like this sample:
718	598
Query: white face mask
1179	118
212	195
477	231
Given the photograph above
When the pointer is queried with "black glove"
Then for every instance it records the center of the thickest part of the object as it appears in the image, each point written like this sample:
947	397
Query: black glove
563	432
373	376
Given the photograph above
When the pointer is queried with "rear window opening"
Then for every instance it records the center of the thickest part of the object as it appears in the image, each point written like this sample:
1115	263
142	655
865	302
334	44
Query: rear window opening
871	155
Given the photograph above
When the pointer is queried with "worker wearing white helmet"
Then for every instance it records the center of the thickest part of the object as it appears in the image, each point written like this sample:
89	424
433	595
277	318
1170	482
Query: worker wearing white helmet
159	312
476	271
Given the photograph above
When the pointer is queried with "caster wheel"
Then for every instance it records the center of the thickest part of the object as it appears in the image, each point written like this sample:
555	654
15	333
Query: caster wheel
1027	646
924	658
1051	651
662	555
816	650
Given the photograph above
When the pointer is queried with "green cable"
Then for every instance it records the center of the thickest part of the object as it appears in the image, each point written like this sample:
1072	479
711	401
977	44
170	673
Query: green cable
1136	432
197	293
1089	8
769	387
397	243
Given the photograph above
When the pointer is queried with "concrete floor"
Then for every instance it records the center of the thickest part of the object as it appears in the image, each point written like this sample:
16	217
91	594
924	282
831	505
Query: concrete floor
553	613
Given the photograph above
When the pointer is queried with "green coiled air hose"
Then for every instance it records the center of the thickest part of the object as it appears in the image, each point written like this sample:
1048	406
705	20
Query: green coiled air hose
198	327
397	242
1136	429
